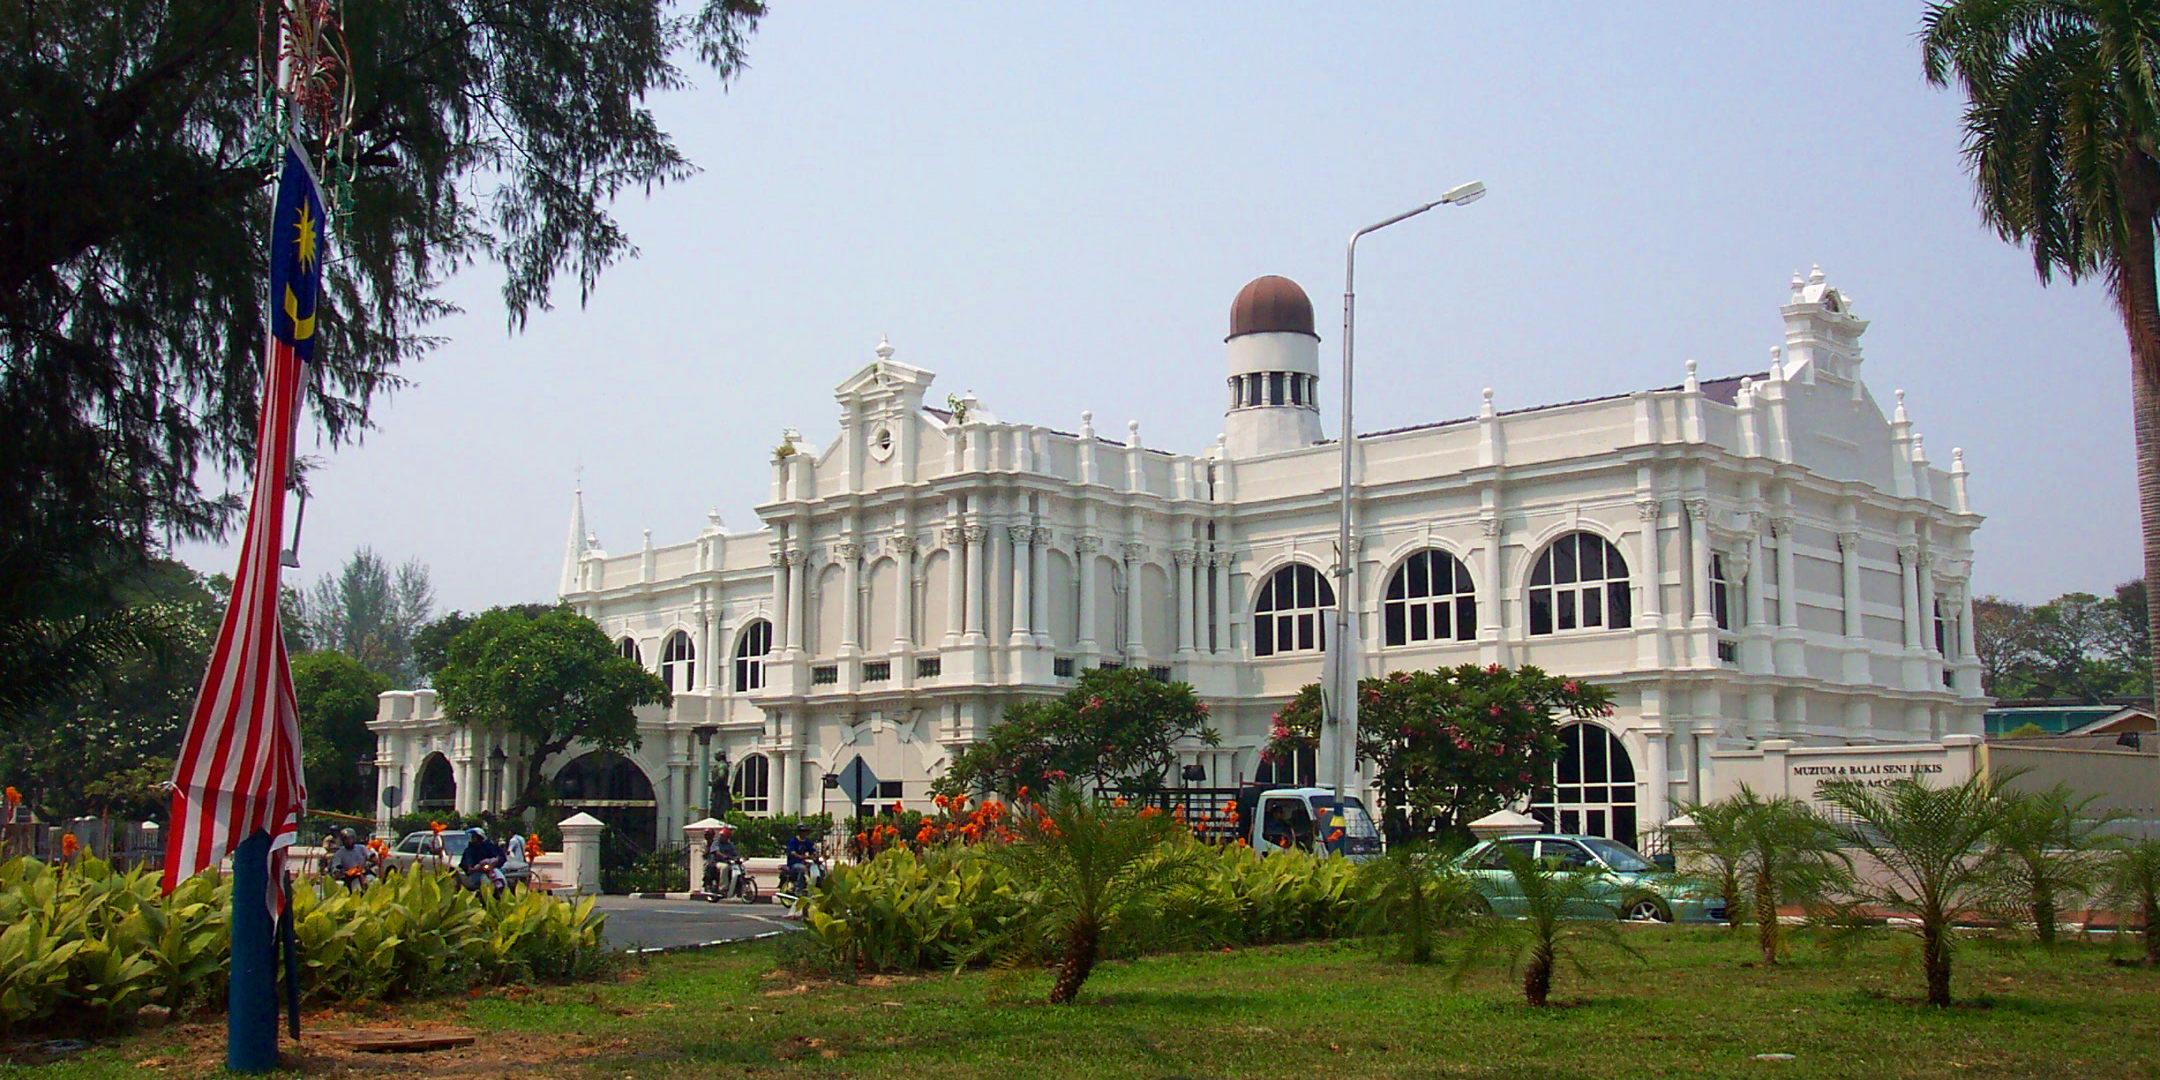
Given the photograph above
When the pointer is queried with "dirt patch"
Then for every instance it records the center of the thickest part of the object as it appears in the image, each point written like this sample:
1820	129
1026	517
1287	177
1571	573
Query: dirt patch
527	1055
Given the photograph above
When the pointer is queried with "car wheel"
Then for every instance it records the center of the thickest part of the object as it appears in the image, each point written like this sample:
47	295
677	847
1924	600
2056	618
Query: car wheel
1648	909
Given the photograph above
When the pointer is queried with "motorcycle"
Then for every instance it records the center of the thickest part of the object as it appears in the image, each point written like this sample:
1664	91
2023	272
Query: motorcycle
743	887
802	878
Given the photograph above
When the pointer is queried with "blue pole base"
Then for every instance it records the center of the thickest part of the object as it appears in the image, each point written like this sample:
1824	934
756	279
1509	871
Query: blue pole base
251	1035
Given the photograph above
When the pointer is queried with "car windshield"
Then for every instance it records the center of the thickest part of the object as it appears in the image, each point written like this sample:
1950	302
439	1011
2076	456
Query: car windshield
1618	856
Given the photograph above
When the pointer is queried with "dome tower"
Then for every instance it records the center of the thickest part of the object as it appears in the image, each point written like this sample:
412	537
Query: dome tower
1274	360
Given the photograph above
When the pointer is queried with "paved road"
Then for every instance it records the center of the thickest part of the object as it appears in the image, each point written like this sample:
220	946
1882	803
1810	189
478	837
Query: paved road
672	924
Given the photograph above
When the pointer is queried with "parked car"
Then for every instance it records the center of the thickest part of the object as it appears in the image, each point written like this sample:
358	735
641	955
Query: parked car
1626	885
420	847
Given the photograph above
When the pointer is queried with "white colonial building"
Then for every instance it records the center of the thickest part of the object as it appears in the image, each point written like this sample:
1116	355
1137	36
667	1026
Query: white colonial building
1740	559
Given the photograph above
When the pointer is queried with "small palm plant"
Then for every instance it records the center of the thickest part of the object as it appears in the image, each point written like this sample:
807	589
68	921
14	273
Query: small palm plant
2048	845
1412	895
2130	887
1711	852
1790	857
1935	852
1536	944
1093	876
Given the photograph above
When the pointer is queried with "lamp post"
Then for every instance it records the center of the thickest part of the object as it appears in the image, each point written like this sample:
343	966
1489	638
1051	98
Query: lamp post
704	733
1339	734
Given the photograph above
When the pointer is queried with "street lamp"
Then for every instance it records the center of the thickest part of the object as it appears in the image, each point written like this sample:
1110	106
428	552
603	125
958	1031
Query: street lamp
1339	737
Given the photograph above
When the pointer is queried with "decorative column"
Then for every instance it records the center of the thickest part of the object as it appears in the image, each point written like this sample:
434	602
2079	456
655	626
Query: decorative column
1183	557
1756	616
850	557
1023	567
1652	561
1698	512
1924	611
1084	549
1788	594
903	548
978	597
1968	649
1135	640
778	787
1849	550
1039	600
1225	641
955	539
798	584
1909	588
782	625
1655	796
1488	583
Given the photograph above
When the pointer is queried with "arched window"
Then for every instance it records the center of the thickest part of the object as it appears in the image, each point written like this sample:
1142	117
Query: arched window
678	662
1287	615
750	650
1593	788
1580	583
1720	593
1302	771
629	650
1430	599
753	785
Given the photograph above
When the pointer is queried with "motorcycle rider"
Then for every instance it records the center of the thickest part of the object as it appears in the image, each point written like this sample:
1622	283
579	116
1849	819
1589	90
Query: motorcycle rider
722	862
801	852
349	862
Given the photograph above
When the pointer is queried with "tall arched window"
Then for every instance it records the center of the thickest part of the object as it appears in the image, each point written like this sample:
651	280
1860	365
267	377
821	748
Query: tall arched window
753	785
1593	788
1720	593
629	650
1580	583
1287	615
1430	598
750	650
678	662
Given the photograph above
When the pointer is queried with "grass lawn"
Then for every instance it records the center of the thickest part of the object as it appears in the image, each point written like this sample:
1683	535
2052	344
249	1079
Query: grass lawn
1692	1007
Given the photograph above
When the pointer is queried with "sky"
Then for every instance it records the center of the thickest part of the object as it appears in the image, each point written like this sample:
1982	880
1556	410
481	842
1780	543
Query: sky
1052	205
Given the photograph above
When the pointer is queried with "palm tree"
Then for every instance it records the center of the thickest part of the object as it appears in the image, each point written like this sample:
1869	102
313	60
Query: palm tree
1411	895
1933	854
2048	855
1093	876
1791	858
2062	132
1545	935
1711	852
2131	888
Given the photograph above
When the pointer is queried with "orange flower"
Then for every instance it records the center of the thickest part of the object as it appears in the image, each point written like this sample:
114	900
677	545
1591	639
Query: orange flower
533	847
959	803
436	827
14	797
938	801
896	806
1118	802
1150	811
1023	792
925	834
862	839
69	846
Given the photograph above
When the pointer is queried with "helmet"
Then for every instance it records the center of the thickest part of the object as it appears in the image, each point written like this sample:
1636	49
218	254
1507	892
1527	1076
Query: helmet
727	829
801	829
346	835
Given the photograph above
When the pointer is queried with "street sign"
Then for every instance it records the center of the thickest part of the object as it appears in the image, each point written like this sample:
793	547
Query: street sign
858	781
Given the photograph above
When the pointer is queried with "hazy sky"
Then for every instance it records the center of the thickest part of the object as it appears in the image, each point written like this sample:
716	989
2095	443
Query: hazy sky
1052	205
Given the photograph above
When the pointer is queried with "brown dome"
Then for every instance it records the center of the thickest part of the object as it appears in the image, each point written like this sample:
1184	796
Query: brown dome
1271	304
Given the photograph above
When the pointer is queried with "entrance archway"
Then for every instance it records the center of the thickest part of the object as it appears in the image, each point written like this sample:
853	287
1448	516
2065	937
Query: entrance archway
1593	786
435	785
612	788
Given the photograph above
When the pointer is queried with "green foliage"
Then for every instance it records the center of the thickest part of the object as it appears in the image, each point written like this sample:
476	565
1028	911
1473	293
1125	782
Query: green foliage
2027	730
552	679
1452	744
1545	937
431	643
370	611
904	911
85	945
130	308
1934	856
1115	727
2079	646
336	698
762	837
662	870
2048	857
2130	887
1776	852
1410	896
1713	855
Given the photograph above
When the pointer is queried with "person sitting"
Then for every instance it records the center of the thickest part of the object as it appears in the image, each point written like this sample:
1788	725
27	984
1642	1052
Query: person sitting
516	868
349	862
722	860
482	862
800	851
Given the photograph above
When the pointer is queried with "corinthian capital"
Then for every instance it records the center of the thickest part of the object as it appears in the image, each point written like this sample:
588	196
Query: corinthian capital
1133	552
974	534
1086	544
1848	541
1782	525
1183	556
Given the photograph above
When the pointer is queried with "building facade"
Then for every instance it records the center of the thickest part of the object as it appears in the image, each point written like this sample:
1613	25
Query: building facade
1739	559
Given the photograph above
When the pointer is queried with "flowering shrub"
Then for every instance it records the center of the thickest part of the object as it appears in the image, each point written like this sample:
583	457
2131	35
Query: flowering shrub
954	823
1116	726
1454	744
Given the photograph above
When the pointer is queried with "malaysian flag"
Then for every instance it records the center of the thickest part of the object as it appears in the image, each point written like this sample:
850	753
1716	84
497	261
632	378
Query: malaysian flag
239	767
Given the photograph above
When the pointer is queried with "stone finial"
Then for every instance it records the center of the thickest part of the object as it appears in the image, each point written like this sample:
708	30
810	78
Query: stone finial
884	348
1777	364
1485	408
1919	450
1797	284
1957	459
1815	274
712	517
1898	416
1692	383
